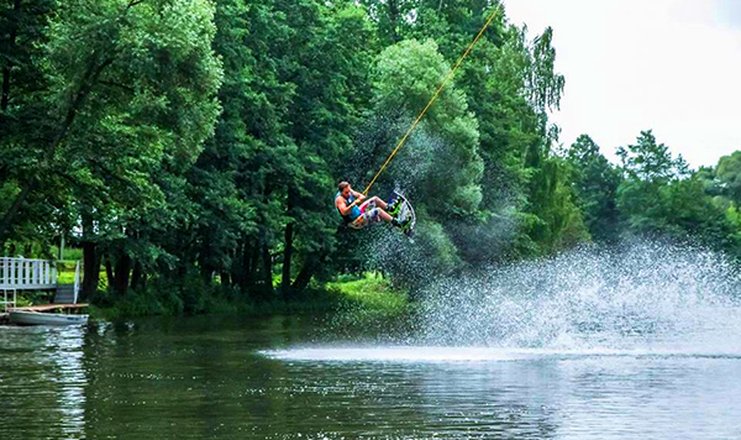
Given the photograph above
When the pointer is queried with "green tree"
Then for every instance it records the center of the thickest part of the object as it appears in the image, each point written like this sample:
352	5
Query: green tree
510	85
406	75
391	18
595	183
22	120
651	162
446	179
648	167
659	196
130	99
553	218
728	174
295	83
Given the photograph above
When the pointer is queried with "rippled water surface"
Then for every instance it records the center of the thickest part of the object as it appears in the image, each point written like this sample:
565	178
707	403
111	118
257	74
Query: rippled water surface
644	343
274	378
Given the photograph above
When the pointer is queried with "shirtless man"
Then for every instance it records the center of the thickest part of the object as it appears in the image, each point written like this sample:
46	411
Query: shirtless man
357	212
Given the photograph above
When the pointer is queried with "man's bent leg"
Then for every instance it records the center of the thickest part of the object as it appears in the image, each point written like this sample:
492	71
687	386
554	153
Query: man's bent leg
385	216
377	201
373	214
377	214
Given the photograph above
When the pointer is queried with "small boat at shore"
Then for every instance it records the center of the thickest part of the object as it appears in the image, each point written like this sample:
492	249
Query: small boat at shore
29	317
48	315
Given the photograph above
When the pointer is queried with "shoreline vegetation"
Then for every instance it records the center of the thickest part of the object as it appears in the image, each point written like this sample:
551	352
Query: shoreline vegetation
369	293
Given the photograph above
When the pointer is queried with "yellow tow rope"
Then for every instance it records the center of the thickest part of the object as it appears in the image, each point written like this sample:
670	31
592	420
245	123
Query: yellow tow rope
440	88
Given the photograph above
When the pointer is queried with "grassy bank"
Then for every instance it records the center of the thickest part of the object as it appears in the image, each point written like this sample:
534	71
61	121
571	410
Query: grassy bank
370	294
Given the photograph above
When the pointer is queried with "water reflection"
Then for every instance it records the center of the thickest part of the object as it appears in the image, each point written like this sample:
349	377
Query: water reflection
66	356
42	382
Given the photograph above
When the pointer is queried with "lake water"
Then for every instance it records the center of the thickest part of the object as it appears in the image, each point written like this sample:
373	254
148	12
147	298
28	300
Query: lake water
291	378
641	343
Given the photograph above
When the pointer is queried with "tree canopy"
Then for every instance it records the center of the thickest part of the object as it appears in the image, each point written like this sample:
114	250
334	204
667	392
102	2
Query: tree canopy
189	146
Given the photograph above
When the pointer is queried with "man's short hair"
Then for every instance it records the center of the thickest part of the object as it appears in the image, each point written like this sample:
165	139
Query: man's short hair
343	185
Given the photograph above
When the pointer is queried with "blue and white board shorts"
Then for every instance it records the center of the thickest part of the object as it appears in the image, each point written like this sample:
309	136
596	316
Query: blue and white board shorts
370	211
368	214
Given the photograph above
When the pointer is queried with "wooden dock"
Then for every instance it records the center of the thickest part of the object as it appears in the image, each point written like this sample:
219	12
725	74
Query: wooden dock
24	274
29	274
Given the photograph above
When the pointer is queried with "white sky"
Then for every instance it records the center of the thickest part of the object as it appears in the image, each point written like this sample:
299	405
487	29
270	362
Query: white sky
673	66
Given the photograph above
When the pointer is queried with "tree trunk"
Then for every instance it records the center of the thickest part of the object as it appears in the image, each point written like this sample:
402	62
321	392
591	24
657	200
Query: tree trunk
304	276
108	271
240	266
91	269
121	274
267	262
225	278
137	276
254	266
288	236
6	89
291	199
90	258
312	264
287	256
206	271
393	15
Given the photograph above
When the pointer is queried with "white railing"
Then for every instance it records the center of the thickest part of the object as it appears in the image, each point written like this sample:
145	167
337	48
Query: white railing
8	303
31	274
77	282
27	274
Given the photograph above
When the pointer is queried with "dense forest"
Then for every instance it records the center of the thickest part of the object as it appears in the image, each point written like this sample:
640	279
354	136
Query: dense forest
189	146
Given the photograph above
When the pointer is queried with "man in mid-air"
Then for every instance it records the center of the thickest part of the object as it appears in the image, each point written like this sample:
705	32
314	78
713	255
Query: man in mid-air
357	212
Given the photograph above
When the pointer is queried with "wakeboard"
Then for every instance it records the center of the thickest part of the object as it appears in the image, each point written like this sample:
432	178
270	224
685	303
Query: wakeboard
404	213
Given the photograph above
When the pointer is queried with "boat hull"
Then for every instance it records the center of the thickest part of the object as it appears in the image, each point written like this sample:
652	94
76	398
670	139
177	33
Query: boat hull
25	317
